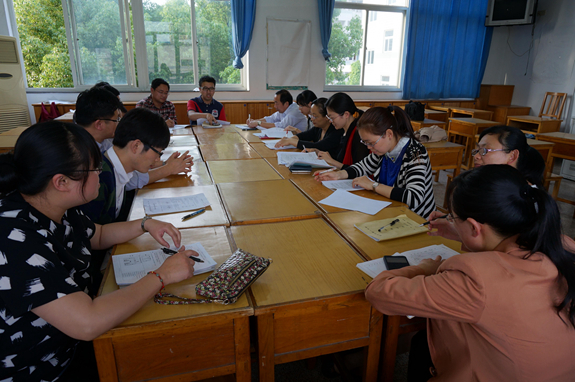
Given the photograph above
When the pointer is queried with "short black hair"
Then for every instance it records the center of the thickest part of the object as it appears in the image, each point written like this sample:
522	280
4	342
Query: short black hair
113	90
207	79
305	97
93	104
284	96
159	81
145	125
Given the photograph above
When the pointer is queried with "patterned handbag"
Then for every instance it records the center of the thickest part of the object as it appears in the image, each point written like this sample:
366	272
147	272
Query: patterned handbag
226	284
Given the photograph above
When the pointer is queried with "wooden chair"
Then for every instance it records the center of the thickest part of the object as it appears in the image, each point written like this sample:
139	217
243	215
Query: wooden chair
553	108
548	119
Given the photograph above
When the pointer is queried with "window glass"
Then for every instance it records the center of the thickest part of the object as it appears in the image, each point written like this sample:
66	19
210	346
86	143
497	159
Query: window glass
344	66
387	61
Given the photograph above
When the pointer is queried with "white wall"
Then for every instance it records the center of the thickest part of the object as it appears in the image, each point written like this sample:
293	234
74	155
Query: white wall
547	67
293	10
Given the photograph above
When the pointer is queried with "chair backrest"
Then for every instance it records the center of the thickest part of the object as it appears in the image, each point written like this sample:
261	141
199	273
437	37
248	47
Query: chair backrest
553	105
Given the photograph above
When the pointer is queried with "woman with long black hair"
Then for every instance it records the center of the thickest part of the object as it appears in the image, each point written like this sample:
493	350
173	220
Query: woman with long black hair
504	311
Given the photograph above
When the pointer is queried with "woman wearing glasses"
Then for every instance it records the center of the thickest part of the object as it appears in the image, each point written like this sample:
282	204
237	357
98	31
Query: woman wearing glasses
398	164
505	311
45	255
498	145
322	137
343	114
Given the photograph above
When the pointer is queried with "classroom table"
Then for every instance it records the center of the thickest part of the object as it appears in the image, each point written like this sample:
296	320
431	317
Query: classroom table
214	215
248	170
66	117
219	138
534	125
265	201
466	112
199	176
265	152
183	140
248	135
7	142
231	151
444	156
437	115
418	125
307	303
181	342
371	249
15	131
194	151
184	131
198	130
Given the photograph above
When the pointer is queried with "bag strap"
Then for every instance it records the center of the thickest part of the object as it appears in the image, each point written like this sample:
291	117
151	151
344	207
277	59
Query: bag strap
182	300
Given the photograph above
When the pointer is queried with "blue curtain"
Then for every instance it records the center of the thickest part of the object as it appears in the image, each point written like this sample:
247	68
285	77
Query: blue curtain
447	49
243	17
325	15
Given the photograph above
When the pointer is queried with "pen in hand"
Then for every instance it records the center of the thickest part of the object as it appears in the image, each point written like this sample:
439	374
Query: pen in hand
388	225
426	223
195	213
171	252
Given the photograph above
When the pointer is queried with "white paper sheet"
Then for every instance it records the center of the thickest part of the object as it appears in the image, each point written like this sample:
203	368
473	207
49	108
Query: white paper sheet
349	201
177	127
345	185
274	132
182	140
271	144
288	158
176	204
131	267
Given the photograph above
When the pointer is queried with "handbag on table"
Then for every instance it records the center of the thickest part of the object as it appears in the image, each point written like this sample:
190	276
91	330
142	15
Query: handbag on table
226	284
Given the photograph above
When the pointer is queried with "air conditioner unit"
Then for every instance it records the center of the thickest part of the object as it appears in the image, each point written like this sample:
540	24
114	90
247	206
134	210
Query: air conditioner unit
13	103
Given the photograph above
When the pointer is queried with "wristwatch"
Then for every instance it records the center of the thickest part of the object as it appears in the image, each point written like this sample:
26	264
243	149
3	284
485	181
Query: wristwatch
374	185
146	218
259	122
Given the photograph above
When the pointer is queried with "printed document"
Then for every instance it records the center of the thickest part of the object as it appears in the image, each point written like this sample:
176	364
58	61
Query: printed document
175	204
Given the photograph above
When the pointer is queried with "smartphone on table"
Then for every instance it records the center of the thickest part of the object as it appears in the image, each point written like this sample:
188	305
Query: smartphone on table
395	262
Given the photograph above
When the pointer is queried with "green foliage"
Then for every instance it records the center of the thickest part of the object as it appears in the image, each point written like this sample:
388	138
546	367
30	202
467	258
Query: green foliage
345	43
230	75
355	74
43	40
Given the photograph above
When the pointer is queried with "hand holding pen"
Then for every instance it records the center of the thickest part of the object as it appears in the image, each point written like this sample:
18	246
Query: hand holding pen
439	226
171	252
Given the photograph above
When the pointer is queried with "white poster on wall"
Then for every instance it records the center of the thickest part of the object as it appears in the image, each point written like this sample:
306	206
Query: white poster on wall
288	53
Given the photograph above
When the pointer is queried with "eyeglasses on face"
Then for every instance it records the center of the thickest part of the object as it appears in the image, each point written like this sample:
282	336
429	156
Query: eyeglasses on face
160	153
162	92
207	89
96	170
333	118
483	151
450	218
371	144
111	120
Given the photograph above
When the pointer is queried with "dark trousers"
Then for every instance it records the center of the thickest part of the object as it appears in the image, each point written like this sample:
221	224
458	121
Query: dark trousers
419	358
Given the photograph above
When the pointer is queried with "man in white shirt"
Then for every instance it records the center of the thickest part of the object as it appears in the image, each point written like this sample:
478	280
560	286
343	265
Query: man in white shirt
287	114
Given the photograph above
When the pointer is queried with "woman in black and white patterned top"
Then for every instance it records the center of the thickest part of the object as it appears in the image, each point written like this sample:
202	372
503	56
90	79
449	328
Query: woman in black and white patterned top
398	164
45	245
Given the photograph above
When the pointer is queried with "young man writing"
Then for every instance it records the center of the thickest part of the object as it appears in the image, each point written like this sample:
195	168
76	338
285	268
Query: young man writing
158	102
205	106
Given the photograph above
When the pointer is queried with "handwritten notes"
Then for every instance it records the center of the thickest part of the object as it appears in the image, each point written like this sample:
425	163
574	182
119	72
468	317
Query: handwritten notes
349	201
404	227
131	267
175	204
375	267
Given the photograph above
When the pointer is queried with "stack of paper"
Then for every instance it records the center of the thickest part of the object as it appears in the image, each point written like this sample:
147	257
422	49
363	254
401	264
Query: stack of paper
287	159
131	267
169	205
391	228
375	267
274	132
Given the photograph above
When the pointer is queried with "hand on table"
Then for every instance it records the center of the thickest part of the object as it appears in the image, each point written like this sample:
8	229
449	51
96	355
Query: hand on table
177	163
170	123
178	267
294	130
363	182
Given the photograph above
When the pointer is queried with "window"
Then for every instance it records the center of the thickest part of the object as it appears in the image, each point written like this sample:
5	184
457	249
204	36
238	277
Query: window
128	43
384	80
370	55
359	29
388	41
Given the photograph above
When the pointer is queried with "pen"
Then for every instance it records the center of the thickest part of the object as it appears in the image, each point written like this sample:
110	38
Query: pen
171	252
388	225
189	216
323	172
426	223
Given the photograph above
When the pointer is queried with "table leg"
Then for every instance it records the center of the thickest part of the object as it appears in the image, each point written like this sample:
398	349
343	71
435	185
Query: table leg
106	360
373	350
242	345
389	348
266	359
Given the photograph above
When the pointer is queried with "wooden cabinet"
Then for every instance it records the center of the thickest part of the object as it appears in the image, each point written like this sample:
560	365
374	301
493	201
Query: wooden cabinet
495	95
260	109
236	112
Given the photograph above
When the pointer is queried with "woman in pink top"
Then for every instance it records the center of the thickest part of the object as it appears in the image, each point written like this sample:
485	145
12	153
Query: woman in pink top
505	311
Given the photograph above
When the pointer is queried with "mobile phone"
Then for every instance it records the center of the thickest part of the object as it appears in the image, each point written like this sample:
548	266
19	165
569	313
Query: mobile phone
395	262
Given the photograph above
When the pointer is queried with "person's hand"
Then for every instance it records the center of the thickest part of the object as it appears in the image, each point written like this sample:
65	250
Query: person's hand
211	119
177	267
294	130
430	266
311	150
252	123
177	163
320	176
287	142
170	123
158	228
444	228
363	182
326	157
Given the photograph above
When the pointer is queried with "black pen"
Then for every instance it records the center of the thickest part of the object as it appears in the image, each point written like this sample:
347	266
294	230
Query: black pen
426	223
388	225
189	216
171	252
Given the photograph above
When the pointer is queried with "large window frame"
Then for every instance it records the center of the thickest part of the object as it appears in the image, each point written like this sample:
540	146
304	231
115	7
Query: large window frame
364	50
131	43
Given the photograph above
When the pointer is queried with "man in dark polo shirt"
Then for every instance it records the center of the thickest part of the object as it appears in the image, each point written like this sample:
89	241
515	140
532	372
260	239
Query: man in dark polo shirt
205	106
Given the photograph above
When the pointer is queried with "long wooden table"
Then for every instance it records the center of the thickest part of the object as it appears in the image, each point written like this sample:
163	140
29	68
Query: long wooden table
181	342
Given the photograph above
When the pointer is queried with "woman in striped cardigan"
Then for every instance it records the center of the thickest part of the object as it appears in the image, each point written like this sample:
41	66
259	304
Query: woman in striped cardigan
398	166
